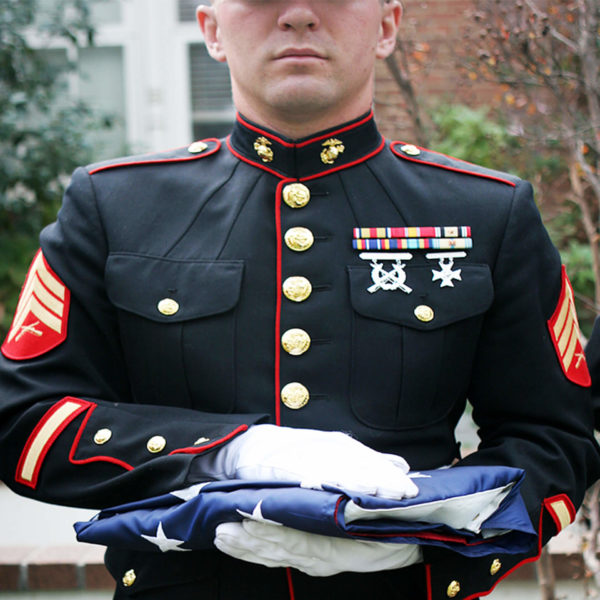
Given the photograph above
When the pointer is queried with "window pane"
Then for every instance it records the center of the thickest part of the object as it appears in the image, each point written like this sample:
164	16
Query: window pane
102	88
187	9
210	85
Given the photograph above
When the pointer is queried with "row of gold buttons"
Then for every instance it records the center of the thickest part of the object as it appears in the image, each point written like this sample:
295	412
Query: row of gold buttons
454	587
296	341
154	445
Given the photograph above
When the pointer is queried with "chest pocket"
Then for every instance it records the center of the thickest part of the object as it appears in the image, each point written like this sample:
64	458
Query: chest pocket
412	352
177	321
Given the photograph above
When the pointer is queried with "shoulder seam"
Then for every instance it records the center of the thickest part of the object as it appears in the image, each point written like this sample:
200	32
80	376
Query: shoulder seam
154	161
449	167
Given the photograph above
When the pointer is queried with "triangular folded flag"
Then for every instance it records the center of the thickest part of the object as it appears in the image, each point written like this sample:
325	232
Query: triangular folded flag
474	511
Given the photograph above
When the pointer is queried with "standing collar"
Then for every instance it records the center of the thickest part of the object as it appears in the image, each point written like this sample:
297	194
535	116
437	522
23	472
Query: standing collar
330	150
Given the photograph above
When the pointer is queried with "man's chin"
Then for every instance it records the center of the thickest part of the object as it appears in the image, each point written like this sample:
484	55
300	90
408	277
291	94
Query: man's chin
299	103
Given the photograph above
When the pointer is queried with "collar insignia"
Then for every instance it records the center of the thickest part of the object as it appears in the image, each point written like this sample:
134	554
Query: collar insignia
261	145
333	149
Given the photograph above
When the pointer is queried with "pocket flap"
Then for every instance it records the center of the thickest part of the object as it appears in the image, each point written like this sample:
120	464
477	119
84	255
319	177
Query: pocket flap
200	288
470	296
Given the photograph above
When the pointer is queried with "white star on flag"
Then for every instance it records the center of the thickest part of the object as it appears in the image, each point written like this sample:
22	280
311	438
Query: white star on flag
163	542
257	515
190	492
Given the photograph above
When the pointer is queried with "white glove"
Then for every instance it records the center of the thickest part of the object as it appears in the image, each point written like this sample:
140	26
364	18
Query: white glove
312	458
274	545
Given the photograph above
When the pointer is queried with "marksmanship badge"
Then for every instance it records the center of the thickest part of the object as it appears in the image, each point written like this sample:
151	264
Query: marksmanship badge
387	280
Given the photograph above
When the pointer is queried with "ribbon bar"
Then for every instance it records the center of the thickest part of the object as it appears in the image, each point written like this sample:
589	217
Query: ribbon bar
411	232
414	244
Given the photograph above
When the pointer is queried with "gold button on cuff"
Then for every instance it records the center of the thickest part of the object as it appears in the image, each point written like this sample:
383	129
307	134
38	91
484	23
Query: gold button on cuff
296	195
295	341
496	566
102	436
453	589
295	395
156	444
201	440
410	149
297	289
129	578
167	307
424	313
299	239
197	147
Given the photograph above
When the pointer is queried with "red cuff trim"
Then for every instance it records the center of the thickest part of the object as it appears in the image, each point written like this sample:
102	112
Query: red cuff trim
561	510
215	443
448	167
85	461
554	505
158	161
52	424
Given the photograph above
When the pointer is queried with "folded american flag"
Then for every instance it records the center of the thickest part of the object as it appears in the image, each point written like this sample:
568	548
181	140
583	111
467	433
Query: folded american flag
474	511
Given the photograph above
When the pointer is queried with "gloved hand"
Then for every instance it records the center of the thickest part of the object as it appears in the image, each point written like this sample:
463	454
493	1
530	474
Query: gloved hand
313	458
274	545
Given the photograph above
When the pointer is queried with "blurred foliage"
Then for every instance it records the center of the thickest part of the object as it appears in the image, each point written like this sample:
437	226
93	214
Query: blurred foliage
470	134
544	58
42	132
576	253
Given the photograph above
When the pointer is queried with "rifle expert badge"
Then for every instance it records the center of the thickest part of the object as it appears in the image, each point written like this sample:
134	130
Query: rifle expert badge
387	280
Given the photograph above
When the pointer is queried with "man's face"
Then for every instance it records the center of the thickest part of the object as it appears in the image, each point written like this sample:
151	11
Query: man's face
299	58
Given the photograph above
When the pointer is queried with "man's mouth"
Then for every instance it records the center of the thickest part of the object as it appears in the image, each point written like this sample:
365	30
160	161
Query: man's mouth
300	54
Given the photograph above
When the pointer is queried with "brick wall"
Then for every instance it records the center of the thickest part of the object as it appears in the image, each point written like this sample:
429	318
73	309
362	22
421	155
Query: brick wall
438	25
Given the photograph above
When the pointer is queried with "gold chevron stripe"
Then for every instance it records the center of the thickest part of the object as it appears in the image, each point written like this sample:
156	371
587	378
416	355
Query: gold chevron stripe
36	299
562	513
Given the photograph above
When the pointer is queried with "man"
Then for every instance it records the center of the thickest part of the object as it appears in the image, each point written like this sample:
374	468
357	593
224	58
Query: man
307	274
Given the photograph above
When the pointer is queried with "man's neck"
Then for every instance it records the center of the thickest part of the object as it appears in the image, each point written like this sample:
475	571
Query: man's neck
296	127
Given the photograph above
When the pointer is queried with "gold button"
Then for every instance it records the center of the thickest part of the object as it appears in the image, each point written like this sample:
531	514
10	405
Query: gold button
424	313
453	589
201	440
296	195
295	341
294	395
102	436
168	307
156	444
496	566
129	578
197	147
297	289
410	149
299	239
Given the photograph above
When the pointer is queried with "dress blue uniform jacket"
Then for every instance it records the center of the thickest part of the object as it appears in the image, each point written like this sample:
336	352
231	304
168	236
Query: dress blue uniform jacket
150	332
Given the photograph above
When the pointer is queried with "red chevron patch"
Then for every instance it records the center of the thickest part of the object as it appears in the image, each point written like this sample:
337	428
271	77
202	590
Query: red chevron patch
564	330
40	321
